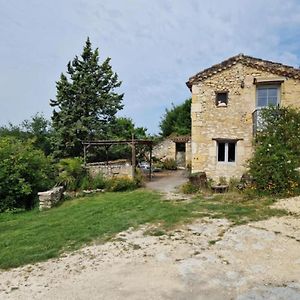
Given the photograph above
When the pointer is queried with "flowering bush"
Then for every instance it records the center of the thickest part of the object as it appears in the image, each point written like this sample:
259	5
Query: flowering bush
277	152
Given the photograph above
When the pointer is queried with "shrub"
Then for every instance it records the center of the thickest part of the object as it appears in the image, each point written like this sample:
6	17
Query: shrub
71	173
222	180
24	172
86	183
89	182
234	183
120	184
170	164
139	178
189	188
277	152
99	181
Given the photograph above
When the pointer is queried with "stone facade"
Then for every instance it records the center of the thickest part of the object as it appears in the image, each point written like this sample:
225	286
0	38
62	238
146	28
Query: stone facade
165	149
212	123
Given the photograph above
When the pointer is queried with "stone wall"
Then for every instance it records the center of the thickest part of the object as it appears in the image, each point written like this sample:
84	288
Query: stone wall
166	149
50	198
231	122
188	154
118	168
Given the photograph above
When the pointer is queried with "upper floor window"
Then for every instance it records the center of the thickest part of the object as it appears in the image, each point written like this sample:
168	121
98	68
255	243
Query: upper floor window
221	99
267	95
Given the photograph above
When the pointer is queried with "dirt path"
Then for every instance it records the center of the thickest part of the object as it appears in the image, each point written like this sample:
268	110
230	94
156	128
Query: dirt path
208	259
168	183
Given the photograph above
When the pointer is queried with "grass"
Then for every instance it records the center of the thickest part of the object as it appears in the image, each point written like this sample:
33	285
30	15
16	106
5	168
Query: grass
34	236
28	237
239	209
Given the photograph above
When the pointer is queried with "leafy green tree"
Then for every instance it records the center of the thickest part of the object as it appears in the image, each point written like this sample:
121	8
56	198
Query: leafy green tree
24	172
87	102
11	130
177	120
277	152
121	128
37	129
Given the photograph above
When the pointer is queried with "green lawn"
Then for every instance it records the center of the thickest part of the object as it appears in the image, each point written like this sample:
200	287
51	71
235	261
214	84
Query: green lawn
27	237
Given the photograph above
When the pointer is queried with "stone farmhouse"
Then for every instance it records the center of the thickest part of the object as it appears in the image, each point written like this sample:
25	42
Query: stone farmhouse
226	101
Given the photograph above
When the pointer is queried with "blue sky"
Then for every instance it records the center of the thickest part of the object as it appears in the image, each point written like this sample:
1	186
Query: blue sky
155	46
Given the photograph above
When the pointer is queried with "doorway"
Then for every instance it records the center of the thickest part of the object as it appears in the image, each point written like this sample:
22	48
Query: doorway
180	154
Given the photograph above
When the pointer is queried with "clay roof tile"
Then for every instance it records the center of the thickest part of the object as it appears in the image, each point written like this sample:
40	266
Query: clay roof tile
260	64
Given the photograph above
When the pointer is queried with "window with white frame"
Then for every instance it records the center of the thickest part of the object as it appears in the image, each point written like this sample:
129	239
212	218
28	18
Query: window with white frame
226	151
267	95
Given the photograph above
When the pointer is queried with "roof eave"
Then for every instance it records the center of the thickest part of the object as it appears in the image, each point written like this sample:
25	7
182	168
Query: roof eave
246	60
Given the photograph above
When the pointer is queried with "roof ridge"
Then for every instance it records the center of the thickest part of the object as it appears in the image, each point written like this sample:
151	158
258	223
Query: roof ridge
271	66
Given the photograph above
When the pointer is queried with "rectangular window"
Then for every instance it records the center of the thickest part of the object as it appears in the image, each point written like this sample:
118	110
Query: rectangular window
221	151
226	151
221	99
231	152
267	95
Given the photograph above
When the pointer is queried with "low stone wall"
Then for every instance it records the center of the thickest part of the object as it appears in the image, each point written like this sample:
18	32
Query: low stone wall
119	168
50	198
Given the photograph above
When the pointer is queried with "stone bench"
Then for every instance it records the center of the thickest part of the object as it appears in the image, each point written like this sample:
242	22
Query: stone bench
50	198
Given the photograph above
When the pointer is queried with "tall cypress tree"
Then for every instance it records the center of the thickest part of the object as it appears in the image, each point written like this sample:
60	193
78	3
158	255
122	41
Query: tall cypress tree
87	102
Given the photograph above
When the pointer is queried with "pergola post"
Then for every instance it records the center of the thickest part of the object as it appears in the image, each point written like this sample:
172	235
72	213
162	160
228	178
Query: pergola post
84	155
150	163
106	153
133	158
85	149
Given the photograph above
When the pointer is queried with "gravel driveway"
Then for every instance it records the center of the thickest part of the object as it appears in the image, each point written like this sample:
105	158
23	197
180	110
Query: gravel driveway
208	259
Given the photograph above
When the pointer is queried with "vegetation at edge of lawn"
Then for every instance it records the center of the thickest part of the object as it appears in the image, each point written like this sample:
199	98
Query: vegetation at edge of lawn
238	208
33	236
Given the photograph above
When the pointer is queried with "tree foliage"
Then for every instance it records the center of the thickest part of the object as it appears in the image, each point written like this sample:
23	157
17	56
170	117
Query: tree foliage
121	128
86	101
177	120
277	152
71	172
24	171
37	129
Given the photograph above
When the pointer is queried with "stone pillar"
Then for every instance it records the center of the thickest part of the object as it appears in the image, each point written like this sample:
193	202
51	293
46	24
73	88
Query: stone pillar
50	198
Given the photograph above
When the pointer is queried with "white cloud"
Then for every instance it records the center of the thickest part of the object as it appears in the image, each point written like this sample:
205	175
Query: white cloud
155	45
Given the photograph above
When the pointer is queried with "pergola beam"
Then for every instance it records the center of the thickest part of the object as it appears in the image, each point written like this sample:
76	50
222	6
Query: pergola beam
133	143
117	142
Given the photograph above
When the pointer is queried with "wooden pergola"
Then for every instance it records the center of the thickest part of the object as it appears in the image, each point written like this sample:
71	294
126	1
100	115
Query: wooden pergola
132	143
